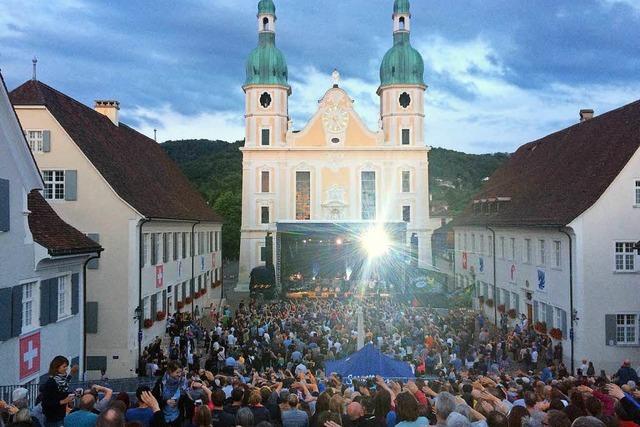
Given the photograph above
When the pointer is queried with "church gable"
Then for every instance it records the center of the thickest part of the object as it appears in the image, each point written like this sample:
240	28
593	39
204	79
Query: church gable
335	125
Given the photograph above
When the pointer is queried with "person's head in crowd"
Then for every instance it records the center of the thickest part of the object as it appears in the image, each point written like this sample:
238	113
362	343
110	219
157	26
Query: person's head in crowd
217	398
336	404
326	416
530	400
381	403
237	395
112	417
293	401
355	411
516	415
322	403
609	420
367	405
535	419
124	398
141	389
244	418
255	398
587	421
202	416
265	393
58	366
19	398
87	402
174	370
407	407
283	397
556	404
594	406
558	418
118	405
445	405
574	411
497	419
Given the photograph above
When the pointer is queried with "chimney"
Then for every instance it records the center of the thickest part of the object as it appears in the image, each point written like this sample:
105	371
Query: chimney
110	109
586	115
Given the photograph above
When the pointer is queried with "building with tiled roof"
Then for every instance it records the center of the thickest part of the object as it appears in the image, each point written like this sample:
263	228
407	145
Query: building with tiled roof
161	239
42	260
551	238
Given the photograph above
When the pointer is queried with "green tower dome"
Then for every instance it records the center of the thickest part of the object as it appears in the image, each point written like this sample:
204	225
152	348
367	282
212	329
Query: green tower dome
266	64
401	6
402	64
266	6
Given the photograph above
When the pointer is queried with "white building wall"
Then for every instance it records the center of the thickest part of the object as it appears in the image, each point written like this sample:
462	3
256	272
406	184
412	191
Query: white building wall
599	288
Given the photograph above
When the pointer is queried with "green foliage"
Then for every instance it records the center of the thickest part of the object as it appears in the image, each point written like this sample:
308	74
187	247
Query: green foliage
465	172
215	168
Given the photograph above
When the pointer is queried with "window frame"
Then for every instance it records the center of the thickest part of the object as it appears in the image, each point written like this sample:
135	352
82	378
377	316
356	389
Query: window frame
40	147
265	183
407	132
405	174
502	248
64	296
481	244
34	307
406	213
557	254
263	209
542	251
626	328
526	253
54	184
512	247
303	207
625	255
368	212
265	131
637	192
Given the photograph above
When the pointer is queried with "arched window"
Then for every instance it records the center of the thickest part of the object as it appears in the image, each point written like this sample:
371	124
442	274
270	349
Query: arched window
402	24
265	24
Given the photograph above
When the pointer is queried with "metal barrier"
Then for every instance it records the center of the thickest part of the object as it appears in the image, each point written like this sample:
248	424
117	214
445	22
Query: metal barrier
128	385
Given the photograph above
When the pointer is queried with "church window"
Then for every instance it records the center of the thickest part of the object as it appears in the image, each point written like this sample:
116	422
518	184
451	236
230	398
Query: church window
405	99
368	195
402	23
335	140
406	137
266	137
265	24
303	196
264	181
263	254
406	181
265	100
264	215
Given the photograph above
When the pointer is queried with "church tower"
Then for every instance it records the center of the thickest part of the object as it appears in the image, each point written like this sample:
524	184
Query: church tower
266	86
402	85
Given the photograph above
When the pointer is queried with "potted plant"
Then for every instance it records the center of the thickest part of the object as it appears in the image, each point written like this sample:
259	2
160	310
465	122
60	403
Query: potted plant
501	308
540	327
555	333
489	302
513	313
188	300
160	315
147	323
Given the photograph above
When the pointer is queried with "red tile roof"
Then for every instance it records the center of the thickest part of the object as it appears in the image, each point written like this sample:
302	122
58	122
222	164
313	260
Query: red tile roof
553	180
135	166
50	231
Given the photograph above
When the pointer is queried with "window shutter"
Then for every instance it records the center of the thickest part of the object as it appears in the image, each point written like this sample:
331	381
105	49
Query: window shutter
53	300
94	263
5	313
5	206
45	290
154	306
152	248
16	317
536	312
563	314
46	141
550	317
164	300
192	287
96	363
266	137
610	329
71	185
75	293
91	317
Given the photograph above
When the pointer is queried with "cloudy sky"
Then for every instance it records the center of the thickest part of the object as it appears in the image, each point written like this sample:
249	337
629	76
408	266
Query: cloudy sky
500	72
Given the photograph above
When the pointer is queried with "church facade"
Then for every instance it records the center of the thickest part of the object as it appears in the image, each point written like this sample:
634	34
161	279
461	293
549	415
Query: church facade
334	170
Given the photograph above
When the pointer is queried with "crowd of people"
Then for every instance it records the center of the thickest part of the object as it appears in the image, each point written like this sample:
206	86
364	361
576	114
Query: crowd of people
264	366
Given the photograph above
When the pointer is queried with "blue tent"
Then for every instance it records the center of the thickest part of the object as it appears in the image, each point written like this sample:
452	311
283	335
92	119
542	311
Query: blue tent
368	362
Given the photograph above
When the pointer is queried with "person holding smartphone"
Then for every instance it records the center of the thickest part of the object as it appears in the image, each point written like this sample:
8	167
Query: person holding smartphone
56	394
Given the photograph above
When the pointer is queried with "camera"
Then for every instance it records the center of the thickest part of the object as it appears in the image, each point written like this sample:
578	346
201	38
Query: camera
198	402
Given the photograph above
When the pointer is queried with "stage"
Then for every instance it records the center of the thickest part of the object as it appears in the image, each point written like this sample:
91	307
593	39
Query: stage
328	259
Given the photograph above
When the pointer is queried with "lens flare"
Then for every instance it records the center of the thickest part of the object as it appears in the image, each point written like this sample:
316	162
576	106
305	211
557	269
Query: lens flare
376	242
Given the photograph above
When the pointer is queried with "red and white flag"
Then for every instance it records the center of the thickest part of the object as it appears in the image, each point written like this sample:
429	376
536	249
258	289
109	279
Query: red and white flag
29	355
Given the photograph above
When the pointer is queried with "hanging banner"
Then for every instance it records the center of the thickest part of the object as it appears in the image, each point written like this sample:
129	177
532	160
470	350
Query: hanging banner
480	265
464	260
542	281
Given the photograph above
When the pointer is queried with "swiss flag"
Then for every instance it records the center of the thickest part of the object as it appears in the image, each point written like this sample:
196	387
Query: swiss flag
213	260
29	355
159	276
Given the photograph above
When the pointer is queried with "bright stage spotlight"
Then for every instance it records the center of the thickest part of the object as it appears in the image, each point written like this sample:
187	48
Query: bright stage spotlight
338	241
376	242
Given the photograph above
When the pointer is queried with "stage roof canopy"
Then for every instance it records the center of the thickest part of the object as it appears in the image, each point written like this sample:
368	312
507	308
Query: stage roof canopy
369	362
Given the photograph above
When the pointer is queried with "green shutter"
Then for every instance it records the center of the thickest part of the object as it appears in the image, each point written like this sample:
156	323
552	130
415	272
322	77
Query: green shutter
265	137
154	306
91	317
94	263
5	205
96	363
45	290
75	293
164	300
16	316
563	314
71	185
610	326
46	141
5	313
